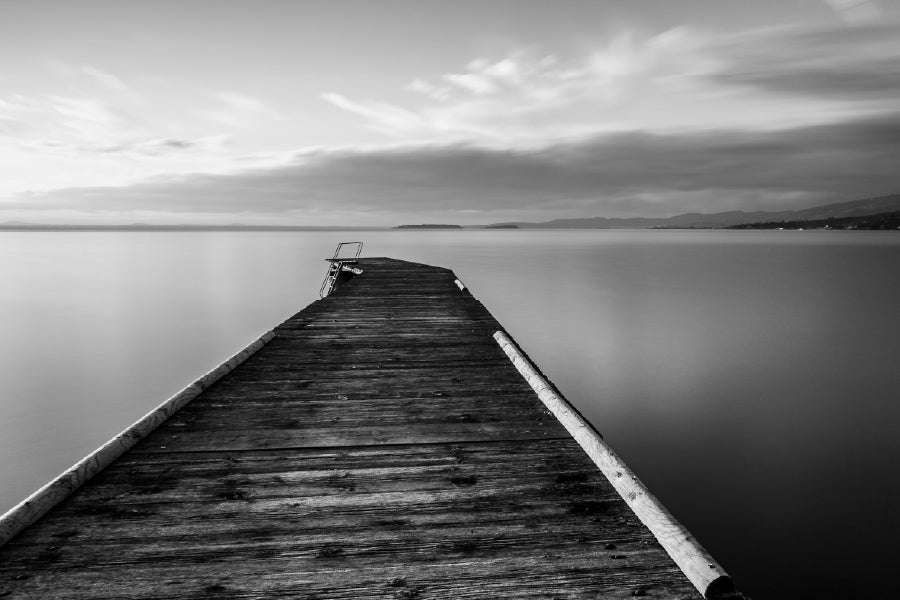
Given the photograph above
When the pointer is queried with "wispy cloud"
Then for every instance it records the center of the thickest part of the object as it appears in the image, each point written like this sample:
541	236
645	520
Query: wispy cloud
680	121
152	147
14	112
87	119
523	95
109	81
239	111
91	108
679	79
420	86
97	128
74	125
856	11
859	65
383	117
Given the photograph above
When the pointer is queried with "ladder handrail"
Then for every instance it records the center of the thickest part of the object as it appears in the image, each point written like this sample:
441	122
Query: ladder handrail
359	246
335	264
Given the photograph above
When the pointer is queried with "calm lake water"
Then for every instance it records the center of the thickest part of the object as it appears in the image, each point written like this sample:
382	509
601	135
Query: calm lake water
750	378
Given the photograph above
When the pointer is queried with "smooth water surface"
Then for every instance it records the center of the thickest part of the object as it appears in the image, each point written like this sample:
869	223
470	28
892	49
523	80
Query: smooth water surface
749	378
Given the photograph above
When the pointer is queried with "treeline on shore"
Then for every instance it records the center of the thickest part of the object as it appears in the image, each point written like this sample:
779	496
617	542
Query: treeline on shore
882	221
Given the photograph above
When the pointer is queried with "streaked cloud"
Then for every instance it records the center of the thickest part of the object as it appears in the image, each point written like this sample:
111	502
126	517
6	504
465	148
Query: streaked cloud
239	111
859	65
88	119
94	108
383	117
527	95
679	79
856	11
628	125
473	83
97	129
74	125
612	175
420	86
109	80
50	120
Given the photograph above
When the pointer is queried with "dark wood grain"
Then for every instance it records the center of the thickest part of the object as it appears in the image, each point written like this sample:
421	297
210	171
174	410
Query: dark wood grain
381	446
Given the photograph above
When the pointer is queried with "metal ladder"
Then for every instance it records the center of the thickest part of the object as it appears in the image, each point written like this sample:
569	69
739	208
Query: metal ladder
338	264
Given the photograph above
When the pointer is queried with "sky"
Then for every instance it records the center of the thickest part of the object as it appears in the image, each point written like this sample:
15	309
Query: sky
386	112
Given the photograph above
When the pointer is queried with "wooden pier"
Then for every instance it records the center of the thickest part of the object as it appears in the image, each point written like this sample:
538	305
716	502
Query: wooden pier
384	442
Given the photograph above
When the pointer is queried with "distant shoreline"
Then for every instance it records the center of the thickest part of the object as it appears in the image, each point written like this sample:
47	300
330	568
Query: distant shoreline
881	212
4	227
189	229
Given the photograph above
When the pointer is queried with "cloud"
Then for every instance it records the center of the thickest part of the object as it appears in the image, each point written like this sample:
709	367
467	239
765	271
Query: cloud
13	114
109	81
88	119
637	125
155	147
856	11
94	128
113	117
96	109
519	97
383	117
859	64
68	121
679	79
81	126
239	111
623	174
420	86
473	82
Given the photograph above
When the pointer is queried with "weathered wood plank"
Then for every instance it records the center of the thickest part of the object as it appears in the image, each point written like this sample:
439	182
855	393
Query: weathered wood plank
380	446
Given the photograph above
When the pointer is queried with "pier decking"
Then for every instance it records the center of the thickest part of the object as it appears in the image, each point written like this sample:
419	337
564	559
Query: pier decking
381	445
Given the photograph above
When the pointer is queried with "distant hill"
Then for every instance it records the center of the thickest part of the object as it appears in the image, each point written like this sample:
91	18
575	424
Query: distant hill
854	208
